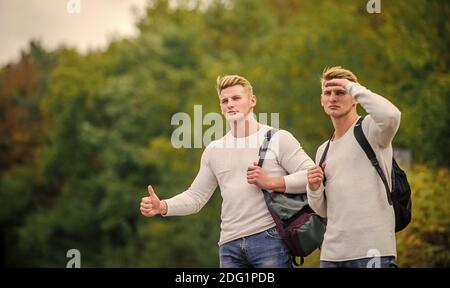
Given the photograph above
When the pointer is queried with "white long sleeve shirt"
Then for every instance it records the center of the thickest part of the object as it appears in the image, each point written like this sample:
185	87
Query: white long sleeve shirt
224	162
360	221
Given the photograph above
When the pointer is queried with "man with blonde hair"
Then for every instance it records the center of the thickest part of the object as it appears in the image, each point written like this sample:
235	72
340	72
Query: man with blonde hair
360	219
248	236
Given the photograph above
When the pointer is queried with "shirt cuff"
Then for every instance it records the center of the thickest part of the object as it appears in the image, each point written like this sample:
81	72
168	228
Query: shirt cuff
350	87
316	194
168	208
294	184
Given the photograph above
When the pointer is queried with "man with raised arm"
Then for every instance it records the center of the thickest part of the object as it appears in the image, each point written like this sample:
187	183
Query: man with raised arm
360	220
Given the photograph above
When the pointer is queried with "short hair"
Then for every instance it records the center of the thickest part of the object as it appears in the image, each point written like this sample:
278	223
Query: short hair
226	81
337	72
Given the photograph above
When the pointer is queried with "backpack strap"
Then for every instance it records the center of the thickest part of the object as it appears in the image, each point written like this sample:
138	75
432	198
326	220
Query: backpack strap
265	145
365	145
262	155
324	156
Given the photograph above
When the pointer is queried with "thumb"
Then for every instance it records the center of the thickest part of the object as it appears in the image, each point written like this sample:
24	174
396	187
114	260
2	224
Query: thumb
255	164
324	165
150	191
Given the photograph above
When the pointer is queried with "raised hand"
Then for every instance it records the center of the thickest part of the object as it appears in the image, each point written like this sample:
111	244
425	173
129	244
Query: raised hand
336	82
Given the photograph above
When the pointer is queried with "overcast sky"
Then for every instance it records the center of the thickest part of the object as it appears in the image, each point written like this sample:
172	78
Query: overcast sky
56	21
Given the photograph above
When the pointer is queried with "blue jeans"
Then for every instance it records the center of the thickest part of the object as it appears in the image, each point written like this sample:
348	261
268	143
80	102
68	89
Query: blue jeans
261	250
372	262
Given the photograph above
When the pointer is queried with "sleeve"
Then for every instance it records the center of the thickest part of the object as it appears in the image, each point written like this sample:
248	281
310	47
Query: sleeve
197	195
386	117
294	160
316	199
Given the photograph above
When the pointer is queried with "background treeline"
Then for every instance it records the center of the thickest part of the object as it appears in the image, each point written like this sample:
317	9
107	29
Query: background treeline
82	135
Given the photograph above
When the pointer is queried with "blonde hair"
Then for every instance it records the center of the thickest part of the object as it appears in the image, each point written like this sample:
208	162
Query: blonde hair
226	81
337	72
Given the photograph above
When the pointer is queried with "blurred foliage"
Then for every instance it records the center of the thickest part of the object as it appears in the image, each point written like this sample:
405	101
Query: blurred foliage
425	242
82	135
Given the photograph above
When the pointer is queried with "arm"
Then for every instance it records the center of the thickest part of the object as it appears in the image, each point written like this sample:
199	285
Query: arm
315	188
295	161
190	201
195	197
385	115
292	158
257	176
317	201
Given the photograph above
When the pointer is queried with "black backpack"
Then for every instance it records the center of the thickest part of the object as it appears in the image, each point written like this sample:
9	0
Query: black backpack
400	196
298	225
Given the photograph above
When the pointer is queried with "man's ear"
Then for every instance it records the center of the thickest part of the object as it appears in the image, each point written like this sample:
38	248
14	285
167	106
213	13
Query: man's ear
253	101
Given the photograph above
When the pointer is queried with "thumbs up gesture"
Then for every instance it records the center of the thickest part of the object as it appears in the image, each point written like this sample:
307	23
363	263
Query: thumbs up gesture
150	205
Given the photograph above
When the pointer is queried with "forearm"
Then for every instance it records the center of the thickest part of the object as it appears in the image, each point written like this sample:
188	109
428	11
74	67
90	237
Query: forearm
316	200
277	184
385	115
186	203
379	107
193	199
296	182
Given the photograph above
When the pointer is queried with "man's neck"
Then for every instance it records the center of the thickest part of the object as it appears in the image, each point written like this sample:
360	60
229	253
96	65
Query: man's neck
244	127
342	124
